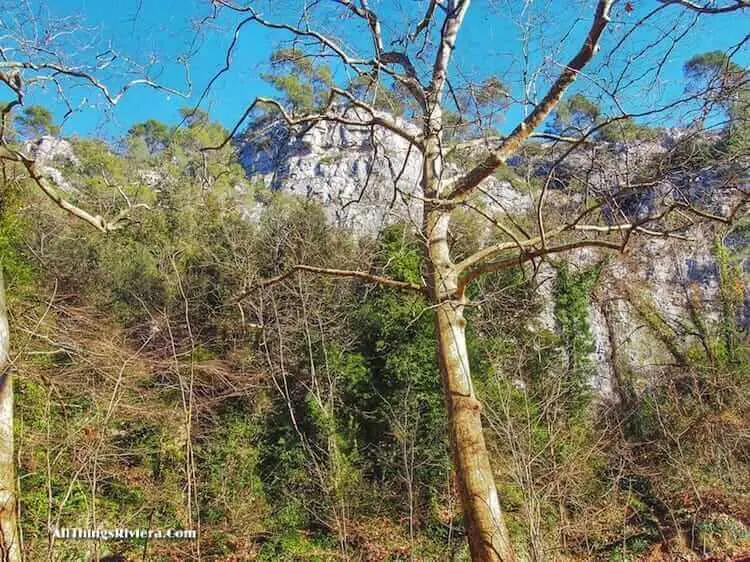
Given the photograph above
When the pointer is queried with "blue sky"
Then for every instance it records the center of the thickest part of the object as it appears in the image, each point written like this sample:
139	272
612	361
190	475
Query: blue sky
490	44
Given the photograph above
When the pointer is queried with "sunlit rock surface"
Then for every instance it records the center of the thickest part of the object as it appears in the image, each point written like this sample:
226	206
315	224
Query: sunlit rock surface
52	153
366	179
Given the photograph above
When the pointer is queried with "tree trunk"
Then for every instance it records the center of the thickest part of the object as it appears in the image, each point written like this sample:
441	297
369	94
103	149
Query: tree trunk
485	526
9	543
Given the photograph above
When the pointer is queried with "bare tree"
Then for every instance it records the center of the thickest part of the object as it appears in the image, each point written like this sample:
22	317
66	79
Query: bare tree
418	59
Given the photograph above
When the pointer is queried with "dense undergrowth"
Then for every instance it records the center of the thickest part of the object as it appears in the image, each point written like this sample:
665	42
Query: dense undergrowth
305	421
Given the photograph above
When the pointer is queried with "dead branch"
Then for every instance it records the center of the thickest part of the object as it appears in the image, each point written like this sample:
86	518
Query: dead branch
339	273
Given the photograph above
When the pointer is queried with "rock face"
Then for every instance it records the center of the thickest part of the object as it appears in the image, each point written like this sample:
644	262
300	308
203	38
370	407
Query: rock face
363	179
648	307
353	174
651	304
51	151
648	300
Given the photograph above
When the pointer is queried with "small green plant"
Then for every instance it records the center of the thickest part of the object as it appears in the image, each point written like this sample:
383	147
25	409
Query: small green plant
572	294
731	295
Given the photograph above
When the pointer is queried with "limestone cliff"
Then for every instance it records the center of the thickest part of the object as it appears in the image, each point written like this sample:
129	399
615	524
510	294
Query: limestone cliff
652	303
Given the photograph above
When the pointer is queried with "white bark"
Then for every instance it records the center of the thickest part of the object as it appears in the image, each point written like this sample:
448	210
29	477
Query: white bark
9	543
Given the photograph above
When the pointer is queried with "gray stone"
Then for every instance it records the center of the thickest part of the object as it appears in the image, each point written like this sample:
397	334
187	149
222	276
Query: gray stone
363	178
51	153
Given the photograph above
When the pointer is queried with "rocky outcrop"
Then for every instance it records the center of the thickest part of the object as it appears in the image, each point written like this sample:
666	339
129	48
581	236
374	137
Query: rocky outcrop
651	307
364	179
51	153
642	315
357	175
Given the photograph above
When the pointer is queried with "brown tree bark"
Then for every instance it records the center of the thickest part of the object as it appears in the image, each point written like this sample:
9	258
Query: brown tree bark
485	525
9	540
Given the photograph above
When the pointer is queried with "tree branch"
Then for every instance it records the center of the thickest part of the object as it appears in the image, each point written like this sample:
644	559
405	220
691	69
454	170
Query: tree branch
708	9
490	252
480	262
12	74
523	257
448	34
461	187
327	114
340	273
113	99
371	17
410	79
97	221
353	63
422	25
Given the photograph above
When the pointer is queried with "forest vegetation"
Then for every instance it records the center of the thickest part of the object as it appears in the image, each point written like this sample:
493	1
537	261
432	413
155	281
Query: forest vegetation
218	354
